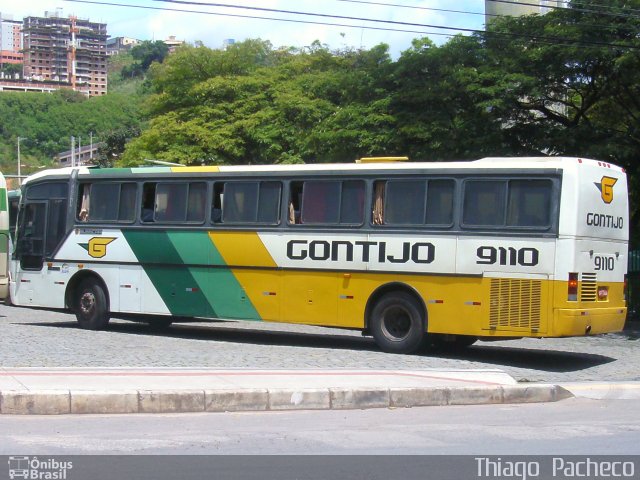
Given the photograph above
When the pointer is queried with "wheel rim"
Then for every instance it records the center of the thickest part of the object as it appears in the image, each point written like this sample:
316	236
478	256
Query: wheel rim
87	303
396	324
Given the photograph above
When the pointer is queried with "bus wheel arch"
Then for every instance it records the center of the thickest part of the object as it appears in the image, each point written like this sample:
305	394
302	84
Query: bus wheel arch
396	316
88	297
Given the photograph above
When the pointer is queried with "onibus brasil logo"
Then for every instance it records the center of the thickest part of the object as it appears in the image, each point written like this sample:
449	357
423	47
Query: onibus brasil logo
97	246
40	469
606	188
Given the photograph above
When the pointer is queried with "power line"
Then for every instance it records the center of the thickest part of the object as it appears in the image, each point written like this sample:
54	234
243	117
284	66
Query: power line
535	38
391	22
235	15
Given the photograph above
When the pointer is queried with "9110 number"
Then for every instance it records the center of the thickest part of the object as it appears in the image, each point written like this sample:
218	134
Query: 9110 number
525	257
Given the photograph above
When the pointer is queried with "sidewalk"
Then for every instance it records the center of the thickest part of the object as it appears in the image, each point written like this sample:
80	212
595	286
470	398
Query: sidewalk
132	390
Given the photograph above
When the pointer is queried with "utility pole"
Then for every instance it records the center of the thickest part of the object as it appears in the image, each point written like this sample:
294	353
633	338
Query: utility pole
19	165
91	147
73	151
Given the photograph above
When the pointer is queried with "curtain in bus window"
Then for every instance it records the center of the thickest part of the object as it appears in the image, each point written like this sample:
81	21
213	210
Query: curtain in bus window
440	202
321	202
127	206
85	204
529	203
240	202
405	202
196	202
171	202
378	203
484	203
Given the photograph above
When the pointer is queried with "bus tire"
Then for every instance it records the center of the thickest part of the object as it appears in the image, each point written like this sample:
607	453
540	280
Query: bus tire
397	323
91	306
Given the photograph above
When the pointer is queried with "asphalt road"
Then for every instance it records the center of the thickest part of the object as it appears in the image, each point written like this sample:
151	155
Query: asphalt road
576	426
40	338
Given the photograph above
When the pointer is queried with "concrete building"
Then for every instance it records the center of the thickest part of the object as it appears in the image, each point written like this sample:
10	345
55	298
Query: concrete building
516	8
67	50
173	43
118	45
83	155
10	40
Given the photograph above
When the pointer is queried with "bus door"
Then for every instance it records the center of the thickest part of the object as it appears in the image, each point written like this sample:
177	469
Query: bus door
41	228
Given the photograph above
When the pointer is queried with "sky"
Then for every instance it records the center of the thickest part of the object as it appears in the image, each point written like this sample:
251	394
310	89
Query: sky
126	18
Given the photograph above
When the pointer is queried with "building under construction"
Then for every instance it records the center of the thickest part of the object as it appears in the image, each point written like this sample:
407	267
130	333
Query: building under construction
68	50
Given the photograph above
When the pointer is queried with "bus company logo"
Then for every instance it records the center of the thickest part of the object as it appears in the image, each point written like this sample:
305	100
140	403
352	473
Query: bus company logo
606	188
97	246
38	469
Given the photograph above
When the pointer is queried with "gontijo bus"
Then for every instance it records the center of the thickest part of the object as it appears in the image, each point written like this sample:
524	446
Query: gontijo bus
407	252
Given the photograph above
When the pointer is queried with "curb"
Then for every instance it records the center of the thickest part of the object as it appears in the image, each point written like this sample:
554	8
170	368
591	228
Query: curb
61	402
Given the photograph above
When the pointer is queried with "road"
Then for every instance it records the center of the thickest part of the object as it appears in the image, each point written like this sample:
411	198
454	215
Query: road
577	426
40	338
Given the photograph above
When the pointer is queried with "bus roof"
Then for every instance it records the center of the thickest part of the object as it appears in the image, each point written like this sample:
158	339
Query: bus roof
510	163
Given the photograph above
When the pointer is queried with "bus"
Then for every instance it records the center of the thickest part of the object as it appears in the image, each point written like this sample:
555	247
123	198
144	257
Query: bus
5	241
413	254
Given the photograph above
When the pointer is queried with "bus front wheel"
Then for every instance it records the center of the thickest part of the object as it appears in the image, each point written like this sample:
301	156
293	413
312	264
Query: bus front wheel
91	306
397	323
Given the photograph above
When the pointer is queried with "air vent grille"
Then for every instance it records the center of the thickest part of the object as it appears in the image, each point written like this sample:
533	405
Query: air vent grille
515	304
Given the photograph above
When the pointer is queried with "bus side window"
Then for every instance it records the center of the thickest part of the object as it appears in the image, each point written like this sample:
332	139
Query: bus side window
484	203
529	203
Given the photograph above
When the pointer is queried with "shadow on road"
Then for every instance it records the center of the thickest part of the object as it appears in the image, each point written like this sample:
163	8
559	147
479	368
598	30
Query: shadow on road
542	359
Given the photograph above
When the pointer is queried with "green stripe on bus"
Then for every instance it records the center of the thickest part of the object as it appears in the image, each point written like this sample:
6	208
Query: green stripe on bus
179	289
192	291
221	288
109	171
3	199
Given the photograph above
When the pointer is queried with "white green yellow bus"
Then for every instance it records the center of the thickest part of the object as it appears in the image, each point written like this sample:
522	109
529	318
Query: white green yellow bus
5	240
410	253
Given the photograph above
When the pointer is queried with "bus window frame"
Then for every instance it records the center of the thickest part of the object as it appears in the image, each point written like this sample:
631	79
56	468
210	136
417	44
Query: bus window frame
89	220
140	207
554	205
218	188
437	227
298	214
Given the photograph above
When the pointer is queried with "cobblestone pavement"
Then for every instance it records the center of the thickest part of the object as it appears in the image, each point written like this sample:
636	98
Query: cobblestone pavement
39	338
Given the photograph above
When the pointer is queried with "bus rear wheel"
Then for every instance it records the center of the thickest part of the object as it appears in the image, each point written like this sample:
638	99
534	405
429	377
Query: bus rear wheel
91	306
397	323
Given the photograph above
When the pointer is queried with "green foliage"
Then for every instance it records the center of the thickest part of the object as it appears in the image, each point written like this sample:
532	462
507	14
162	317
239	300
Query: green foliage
11	69
143	55
47	121
251	104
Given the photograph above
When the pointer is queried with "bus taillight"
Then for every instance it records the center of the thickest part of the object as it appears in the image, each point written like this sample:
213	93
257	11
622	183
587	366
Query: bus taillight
572	289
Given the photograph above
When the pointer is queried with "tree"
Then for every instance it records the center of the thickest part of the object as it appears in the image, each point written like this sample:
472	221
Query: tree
144	54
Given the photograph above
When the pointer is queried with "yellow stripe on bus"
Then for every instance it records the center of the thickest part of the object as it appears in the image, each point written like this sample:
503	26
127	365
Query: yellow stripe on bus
208	169
262	287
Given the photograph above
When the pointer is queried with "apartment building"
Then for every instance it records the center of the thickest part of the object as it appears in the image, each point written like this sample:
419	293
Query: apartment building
10	40
516	8
67	50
